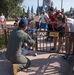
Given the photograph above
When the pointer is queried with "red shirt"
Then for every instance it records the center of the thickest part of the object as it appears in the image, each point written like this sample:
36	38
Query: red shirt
52	19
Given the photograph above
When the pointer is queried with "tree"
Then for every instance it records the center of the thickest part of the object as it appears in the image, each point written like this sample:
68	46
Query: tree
32	11
28	13
7	6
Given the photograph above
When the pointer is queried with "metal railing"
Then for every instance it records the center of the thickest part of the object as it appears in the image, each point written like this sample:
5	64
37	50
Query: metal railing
4	34
42	44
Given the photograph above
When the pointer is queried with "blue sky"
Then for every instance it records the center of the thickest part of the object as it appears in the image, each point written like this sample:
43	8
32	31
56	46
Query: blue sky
57	3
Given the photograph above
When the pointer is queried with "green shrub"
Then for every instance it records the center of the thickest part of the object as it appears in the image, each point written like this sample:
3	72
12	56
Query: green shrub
2	41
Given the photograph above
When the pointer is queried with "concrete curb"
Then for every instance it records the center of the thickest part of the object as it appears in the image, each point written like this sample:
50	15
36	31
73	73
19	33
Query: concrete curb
72	66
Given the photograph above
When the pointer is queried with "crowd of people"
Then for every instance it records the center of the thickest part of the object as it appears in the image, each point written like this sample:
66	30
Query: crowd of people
26	32
57	21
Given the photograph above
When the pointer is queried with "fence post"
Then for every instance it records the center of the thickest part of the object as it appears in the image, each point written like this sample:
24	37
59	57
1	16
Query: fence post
36	44
73	46
5	37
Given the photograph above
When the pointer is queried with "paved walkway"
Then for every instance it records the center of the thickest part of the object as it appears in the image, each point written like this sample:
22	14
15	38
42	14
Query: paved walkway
42	64
47	64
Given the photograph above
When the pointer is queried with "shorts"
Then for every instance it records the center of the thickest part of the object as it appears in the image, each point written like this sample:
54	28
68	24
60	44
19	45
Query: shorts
61	31
50	27
43	25
2	22
61	34
72	34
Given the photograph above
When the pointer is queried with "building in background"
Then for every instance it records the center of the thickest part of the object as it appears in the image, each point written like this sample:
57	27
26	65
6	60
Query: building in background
47	2
45	5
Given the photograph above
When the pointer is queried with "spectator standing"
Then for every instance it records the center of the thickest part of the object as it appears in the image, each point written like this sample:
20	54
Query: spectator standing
2	20
43	20
69	39
52	22
62	27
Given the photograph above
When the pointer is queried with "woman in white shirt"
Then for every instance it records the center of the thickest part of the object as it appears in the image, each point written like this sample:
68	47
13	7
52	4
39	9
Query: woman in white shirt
61	28
70	22
69	39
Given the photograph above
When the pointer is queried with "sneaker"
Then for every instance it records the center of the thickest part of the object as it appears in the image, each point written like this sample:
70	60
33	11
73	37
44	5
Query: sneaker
52	49
46	39
24	70
65	57
35	54
27	54
49	39
24	51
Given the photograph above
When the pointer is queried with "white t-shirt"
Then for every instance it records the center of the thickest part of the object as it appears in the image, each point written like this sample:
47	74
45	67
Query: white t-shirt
43	16
2	18
71	22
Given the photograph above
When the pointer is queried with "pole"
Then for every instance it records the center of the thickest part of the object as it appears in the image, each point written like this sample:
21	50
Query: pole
61	5
37	2
38	6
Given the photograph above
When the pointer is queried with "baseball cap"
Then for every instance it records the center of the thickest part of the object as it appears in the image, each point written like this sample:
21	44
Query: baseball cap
23	22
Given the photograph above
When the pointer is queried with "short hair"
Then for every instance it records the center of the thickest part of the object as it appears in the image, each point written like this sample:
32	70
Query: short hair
51	9
61	17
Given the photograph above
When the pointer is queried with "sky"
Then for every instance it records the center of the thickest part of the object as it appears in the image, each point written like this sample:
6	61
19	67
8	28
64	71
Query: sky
67	4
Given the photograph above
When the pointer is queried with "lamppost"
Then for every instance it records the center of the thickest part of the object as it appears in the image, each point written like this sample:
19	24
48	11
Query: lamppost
61	5
37	2
38	6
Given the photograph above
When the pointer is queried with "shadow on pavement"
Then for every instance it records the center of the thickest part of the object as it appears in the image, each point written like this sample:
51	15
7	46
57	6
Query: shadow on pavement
53	65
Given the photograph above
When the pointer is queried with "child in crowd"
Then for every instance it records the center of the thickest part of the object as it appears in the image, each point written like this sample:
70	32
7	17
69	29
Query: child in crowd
25	50
16	21
32	31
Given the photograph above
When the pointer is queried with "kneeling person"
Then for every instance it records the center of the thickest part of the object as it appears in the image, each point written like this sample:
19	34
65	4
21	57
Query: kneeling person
14	48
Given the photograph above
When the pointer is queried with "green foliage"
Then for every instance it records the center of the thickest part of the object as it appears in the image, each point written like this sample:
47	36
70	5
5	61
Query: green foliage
8	6
2	41
67	13
18	12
